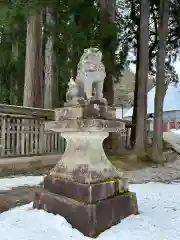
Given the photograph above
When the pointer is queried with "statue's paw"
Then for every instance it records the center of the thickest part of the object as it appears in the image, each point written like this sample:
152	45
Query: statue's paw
82	101
96	100
104	101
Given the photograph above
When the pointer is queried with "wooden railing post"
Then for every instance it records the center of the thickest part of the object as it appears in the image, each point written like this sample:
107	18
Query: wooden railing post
41	137
23	136
3	135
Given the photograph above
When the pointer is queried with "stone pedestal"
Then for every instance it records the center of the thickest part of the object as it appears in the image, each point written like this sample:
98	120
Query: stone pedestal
84	187
91	219
84	160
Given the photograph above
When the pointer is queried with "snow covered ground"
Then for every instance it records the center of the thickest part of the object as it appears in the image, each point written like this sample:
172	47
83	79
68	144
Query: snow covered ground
159	218
177	131
9	183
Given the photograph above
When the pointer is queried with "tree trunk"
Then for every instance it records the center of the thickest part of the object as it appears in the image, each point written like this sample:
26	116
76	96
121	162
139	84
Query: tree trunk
107	14
141	136
107	11
134	116
13	92
108	89
157	145
49	69
33	63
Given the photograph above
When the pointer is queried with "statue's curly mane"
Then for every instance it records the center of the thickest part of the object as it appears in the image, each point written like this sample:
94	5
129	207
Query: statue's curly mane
86	62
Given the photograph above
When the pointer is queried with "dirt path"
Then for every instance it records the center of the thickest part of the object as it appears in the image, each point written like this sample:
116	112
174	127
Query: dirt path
17	197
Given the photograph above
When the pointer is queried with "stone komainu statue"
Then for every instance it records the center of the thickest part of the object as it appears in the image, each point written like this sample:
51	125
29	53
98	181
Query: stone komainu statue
72	92
90	76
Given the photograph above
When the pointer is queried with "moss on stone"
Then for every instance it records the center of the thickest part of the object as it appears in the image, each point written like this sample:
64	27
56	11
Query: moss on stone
56	177
144	158
75	200
132	156
132	195
119	157
110	179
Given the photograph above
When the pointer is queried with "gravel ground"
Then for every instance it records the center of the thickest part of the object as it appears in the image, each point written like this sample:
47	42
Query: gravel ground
159	174
167	173
23	195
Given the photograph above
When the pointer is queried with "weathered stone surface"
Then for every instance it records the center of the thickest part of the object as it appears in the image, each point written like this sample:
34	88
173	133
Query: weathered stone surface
75	102
73	91
91	74
89	193
86	125
90	219
90	77
84	160
94	109
84	186
69	112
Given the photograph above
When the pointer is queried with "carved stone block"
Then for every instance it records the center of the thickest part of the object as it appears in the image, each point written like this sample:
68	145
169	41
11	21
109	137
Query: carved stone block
90	219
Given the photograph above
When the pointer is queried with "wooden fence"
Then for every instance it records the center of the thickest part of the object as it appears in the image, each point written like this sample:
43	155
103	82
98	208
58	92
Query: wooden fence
22	133
25	136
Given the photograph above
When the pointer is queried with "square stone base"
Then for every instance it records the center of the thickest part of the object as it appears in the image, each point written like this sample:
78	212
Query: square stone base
87	193
90	219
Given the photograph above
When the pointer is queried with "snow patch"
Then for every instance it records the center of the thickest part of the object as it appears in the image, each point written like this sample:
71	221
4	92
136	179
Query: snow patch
159	218
13	182
176	131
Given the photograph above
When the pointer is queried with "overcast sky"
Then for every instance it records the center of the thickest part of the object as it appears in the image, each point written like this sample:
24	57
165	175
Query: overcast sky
176	65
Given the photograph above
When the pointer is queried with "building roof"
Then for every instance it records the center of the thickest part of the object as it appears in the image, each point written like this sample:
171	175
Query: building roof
171	100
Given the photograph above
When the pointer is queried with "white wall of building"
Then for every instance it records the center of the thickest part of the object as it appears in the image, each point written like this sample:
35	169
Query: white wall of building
120	112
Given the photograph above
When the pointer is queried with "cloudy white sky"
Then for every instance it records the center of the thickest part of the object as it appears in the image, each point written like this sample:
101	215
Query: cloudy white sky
176	65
